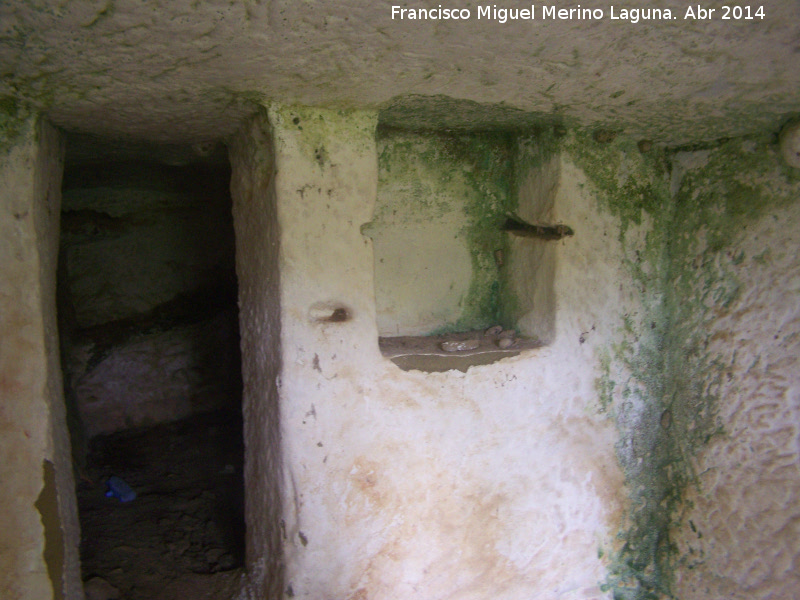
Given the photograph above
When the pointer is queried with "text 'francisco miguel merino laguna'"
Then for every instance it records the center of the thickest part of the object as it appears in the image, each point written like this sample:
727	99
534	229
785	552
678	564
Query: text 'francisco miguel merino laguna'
633	15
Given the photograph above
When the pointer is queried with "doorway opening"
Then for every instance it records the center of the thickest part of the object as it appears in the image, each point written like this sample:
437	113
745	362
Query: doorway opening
148	325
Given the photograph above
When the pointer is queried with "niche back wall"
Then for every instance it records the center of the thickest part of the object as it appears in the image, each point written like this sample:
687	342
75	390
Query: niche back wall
147	292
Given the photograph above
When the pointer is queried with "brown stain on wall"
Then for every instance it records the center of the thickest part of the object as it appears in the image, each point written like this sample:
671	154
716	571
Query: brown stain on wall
466	524
462	522
360	594
365	477
466	559
47	505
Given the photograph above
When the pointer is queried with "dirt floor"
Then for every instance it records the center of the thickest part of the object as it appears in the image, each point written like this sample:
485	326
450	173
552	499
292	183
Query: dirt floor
184	530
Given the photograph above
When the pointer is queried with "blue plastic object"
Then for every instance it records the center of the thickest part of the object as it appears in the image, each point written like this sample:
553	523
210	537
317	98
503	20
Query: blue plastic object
117	488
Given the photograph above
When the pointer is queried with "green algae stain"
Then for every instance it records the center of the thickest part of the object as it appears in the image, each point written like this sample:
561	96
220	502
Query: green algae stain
632	184
487	162
439	113
634	387
462	182
465	184
14	119
317	127
658	379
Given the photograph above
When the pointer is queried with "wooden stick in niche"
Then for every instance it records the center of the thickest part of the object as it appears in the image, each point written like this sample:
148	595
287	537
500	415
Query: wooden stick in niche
519	227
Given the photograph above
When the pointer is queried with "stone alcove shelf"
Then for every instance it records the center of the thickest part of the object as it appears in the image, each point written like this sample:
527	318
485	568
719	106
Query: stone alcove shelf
425	353
459	351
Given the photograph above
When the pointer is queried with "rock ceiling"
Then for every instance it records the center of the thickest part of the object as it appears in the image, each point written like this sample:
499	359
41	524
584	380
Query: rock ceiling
190	70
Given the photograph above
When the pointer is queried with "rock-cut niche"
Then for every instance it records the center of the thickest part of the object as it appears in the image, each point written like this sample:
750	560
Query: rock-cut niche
464	246
150	353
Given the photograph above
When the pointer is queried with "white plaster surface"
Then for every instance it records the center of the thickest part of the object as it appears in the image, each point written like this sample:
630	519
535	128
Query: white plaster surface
368	482
47	199
422	272
32	421
500	482
744	538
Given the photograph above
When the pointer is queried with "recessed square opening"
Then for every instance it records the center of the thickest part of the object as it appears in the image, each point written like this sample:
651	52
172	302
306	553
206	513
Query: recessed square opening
453	287
148	323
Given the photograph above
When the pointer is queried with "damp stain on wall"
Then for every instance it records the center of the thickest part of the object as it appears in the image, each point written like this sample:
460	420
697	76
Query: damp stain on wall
442	201
682	215
47	505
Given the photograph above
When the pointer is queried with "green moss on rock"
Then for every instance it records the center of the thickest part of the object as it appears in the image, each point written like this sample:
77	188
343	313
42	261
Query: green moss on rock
442	113
462	177
15	116
659	378
318	127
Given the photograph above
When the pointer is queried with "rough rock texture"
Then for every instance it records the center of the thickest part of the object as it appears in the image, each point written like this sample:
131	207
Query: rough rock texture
790	144
258	242
186	520
147	292
138	233
699	381
184	71
739	533
38	516
648	451
156	377
498	482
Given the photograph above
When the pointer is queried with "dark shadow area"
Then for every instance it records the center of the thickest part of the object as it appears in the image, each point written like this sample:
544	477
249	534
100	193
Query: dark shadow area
148	326
188	514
